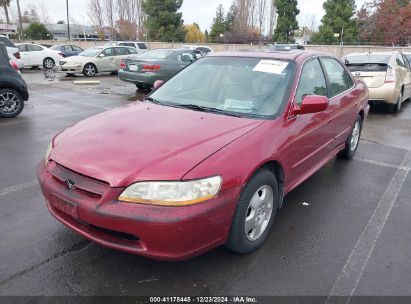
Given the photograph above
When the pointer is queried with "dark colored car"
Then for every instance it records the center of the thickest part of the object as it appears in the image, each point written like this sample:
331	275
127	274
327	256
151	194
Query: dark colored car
13	89
285	47
207	159
159	64
67	50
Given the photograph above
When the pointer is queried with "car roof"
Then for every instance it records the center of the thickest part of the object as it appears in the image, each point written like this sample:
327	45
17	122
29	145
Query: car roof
373	53
293	55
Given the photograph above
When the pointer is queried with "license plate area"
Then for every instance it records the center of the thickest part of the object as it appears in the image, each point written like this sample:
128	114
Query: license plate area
65	206
133	67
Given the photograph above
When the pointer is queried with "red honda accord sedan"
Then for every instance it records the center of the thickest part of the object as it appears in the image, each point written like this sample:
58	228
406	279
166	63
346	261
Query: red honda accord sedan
206	159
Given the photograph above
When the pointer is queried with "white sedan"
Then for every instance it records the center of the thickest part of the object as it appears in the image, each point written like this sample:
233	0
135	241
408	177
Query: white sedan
96	60
34	55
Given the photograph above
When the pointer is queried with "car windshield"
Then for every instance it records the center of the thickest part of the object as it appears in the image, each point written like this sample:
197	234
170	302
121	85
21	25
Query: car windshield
156	54
91	52
247	87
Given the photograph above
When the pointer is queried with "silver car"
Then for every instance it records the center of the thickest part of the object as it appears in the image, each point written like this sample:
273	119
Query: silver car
96	60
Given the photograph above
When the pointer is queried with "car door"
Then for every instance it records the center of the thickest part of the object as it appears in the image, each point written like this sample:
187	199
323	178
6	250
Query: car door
407	79
24	53
36	54
120	54
342	100
105	60
311	132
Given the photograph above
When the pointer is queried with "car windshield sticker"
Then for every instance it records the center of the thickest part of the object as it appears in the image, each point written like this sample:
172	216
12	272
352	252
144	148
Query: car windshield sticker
271	66
244	106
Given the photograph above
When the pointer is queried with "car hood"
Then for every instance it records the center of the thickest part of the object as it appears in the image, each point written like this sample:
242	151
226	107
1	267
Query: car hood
144	141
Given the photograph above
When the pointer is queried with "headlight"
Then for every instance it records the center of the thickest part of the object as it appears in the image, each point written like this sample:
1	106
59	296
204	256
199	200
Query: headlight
178	193
48	151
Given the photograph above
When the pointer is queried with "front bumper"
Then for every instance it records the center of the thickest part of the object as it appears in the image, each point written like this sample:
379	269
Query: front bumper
75	68
157	232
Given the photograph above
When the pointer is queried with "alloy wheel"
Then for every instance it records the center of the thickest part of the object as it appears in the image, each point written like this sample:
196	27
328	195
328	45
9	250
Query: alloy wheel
9	103
355	136
259	212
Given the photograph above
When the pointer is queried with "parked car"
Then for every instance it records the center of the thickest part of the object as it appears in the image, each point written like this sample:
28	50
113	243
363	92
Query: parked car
158	64
96	60
13	51
13	89
140	46
208	157
205	50
387	75
285	47
35	55
67	50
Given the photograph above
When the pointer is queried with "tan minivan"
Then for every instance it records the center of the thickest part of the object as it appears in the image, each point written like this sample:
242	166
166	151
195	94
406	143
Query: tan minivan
387	75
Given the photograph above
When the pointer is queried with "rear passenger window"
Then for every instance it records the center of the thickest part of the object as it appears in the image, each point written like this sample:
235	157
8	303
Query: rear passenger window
340	79
7	42
132	50
312	81
142	46
121	51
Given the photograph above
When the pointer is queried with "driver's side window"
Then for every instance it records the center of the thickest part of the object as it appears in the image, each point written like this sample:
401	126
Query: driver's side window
312	81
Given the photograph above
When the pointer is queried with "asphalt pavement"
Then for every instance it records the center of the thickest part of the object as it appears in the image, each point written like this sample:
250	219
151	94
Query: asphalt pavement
345	231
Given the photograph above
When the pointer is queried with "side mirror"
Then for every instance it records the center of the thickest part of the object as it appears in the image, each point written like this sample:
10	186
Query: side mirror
157	84
311	104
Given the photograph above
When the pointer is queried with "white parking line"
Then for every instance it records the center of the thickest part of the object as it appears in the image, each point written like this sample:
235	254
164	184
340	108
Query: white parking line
352	272
19	187
382	164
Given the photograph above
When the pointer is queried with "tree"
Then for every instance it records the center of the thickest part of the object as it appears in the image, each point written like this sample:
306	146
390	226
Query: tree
230	18
286	21
37	31
164	22
97	16
6	5
218	27
193	33
385	22
338	19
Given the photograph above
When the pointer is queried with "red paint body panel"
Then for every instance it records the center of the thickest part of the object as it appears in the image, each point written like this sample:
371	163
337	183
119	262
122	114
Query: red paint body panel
106	153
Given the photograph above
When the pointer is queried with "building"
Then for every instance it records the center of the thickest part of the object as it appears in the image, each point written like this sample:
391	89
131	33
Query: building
8	29
77	32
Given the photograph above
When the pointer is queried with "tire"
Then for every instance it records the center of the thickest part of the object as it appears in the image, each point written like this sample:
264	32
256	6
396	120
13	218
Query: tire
142	88
89	70
263	190
351	145
11	103
48	63
397	107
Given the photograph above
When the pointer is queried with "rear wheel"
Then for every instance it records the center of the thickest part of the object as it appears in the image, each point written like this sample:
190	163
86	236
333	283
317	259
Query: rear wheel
11	103
255	213
397	107
48	63
89	70
351	145
142	87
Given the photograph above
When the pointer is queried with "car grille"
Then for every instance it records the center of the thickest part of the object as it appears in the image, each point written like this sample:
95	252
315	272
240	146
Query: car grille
77	181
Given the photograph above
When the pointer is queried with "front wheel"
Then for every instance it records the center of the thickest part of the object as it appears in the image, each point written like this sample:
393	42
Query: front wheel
48	63
11	103
89	70
351	145
255	213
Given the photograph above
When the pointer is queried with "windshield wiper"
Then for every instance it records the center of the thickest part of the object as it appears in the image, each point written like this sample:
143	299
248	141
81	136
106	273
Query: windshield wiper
206	109
150	99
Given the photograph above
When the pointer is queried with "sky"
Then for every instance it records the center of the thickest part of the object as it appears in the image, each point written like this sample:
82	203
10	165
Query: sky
199	11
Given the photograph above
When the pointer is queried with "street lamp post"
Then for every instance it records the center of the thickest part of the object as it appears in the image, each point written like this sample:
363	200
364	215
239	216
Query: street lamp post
68	21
